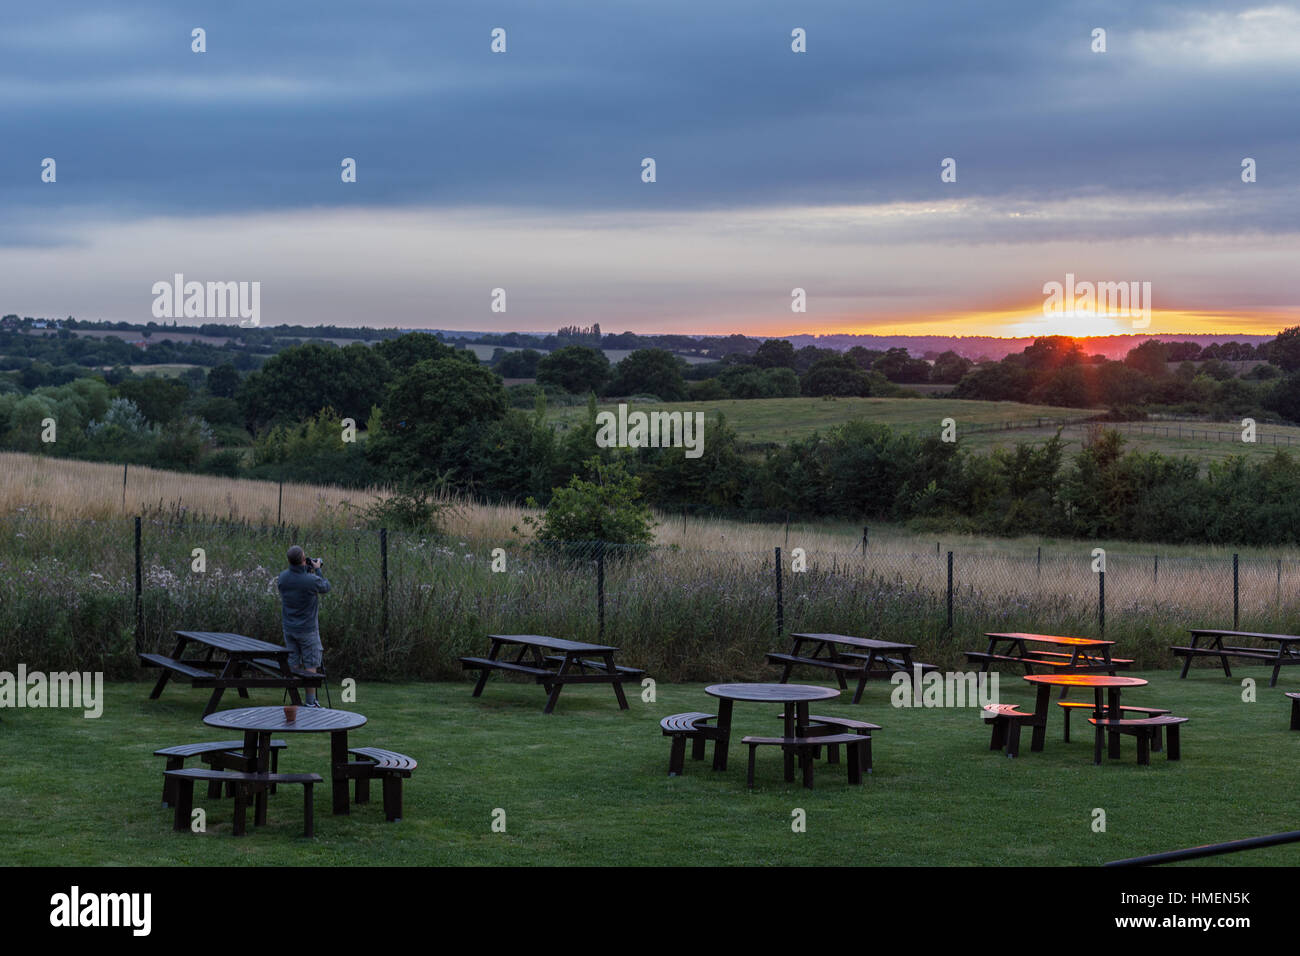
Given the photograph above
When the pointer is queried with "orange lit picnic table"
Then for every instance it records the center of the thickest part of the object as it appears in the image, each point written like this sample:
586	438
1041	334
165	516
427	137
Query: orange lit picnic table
1078	654
1098	682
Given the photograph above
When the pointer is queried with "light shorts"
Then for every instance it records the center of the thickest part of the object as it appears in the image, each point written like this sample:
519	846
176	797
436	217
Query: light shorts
305	650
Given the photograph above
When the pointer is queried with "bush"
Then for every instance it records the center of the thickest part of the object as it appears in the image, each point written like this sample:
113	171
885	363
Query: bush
608	508
416	508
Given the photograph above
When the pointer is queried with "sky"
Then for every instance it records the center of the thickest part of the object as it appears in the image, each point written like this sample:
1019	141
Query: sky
774	170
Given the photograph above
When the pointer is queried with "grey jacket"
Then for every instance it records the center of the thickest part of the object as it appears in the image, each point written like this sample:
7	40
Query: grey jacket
299	597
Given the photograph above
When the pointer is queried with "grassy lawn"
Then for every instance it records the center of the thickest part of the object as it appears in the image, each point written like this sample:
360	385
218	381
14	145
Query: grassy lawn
588	785
783	419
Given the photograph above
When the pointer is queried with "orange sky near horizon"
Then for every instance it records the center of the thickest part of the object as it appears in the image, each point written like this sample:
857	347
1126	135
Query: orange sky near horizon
1032	322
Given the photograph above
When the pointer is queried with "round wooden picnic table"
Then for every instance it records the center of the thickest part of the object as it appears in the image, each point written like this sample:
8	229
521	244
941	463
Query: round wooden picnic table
794	696
259	723
1098	683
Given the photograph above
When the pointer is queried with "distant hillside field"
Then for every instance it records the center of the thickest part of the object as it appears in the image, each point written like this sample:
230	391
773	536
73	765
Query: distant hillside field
780	420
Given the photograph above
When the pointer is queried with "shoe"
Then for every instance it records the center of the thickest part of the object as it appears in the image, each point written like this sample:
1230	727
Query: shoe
315	704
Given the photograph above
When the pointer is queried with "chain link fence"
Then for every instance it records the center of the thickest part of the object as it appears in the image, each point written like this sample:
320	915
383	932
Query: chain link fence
79	594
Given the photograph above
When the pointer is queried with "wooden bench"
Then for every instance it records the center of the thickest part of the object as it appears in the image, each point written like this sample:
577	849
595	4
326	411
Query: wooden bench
485	665
209	754
630	672
688	726
1071	705
821	726
387	765
1144	730
1223	653
804	746
898	664
198	675
245	786
791	660
1007	719
1117	663
1295	710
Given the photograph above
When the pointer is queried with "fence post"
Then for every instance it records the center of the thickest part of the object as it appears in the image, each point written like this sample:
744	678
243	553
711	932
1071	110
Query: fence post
1101	600
124	488
864	540
950	593
383	578
780	603
1038	571
139	608
1236	593
1155	572
600	589
279	505
1277	597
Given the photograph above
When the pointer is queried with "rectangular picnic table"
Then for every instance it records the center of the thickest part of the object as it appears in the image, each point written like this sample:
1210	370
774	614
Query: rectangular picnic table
1082	655
1285	654
865	659
571	664
270	662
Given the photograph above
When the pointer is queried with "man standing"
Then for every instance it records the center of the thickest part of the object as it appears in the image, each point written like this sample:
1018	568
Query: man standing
300	585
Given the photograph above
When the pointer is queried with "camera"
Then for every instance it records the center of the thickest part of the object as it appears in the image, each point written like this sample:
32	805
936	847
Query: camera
310	561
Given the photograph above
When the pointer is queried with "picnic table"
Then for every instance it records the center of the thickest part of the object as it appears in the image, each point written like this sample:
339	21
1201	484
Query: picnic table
795	697
865	658
258	724
1111	684
246	662
1285	654
1078	655
571	662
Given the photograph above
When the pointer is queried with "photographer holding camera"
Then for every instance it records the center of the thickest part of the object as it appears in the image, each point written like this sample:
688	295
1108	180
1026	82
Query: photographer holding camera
300	586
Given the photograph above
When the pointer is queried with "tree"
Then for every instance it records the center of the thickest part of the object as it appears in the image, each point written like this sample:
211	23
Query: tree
898	366
837	376
650	372
1284	351
299	381
1284	398
608	508
521	363
574	368
160	399
223	380
433	416
1150	358
775	353
949	368
404	351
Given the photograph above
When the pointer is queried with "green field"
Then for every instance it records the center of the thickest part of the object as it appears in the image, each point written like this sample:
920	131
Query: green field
780	420
588	785
783	419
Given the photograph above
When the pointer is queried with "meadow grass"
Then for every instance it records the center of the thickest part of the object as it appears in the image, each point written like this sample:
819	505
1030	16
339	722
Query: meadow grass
588	785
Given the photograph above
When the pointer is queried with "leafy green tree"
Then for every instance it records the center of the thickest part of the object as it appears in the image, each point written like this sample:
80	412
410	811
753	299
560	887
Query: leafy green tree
838	376
1151	358
574	368
402	352
898	366
521	363
650	372
299	381
223	380
433	416
159	399
607	508
949	368
775	353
